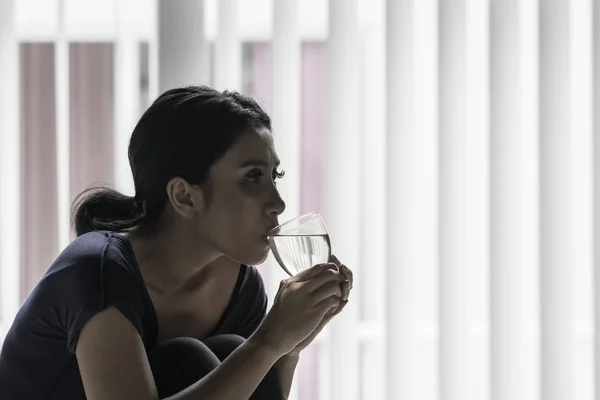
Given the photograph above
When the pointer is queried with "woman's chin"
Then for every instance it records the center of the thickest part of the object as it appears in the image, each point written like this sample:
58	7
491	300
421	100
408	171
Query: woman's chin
259	258
253	258
262	252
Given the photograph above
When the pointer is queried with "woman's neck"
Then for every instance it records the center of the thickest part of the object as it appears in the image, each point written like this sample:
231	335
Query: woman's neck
170	258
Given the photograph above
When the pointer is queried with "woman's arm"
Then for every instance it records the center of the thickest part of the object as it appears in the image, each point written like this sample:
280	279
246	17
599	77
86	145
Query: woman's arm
109	340
285	368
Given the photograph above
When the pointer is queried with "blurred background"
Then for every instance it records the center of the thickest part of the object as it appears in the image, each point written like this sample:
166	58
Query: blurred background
449	145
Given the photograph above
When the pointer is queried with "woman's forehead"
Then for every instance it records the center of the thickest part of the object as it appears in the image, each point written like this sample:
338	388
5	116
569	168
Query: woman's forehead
253	147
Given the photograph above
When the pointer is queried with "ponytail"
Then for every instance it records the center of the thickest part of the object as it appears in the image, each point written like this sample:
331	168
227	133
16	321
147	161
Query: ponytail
102	208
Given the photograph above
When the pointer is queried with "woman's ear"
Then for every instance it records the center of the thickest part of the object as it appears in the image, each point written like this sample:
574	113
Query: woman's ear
187	200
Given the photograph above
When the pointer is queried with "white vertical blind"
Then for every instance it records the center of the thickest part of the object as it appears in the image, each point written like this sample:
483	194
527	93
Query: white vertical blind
452	114
528	175
513	225
9	161
411	210
88	19
580	264
228	49
153	53
463	197
285	116
596	210
285	100
126	104
425	182
505	160
183	50
555	203
61	70
580	189
36	18
371	297
373	179
342	194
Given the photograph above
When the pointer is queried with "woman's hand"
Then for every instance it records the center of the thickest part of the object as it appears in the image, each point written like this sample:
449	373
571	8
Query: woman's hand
345	287
301	304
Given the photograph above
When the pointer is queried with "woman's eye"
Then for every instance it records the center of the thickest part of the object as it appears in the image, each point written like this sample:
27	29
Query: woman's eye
278	175
254	175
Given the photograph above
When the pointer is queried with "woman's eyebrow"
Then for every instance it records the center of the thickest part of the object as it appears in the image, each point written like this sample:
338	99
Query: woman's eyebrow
257	162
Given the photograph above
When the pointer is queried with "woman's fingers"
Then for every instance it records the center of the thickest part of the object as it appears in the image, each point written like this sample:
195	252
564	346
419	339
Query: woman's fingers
329	279
345	288
323	278
313	272
328	304
343	269
340	308
348	274
329	289
334	259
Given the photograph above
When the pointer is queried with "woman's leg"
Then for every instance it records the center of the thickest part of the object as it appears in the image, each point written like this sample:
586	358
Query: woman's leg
178	363
223	345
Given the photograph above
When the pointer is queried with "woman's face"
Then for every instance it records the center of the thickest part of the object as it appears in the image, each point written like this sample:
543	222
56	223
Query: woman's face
243	201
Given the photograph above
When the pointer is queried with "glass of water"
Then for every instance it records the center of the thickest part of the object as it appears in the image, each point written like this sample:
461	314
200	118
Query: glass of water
300	243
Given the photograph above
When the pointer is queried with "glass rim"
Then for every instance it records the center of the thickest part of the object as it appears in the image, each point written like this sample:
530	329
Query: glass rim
310	214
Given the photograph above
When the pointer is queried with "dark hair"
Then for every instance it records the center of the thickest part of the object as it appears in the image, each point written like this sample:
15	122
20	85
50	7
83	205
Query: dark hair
183	133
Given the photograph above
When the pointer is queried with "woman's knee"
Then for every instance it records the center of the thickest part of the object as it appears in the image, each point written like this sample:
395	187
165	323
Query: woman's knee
182	348
223	345
178	363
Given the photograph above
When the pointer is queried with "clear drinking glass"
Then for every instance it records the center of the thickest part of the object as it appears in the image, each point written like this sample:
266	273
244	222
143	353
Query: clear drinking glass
300	243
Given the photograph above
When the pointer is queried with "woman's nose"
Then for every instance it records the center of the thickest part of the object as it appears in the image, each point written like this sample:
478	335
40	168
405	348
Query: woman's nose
276	205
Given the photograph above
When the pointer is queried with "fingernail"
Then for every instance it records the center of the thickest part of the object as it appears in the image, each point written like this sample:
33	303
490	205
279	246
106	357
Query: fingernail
341	306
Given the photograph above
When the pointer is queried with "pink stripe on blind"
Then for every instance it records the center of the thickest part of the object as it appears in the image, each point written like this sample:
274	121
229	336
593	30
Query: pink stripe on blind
39	180
91	115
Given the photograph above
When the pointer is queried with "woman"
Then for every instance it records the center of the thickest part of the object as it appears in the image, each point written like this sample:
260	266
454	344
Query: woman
147	301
